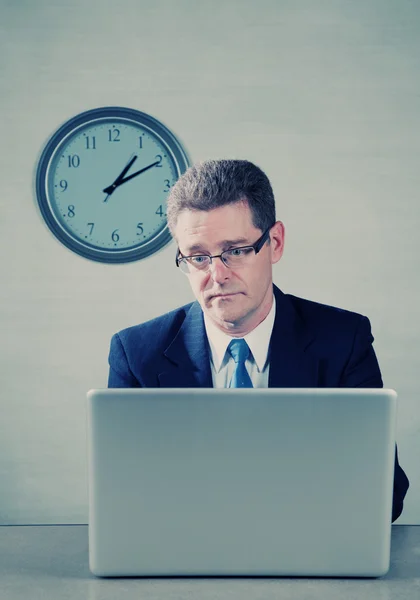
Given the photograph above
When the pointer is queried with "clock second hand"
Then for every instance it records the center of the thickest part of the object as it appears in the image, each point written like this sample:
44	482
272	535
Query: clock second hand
110	189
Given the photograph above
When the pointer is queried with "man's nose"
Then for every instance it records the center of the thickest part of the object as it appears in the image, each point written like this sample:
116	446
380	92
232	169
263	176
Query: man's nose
218	270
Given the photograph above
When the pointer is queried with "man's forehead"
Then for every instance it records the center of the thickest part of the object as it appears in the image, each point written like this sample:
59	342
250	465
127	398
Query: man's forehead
217	229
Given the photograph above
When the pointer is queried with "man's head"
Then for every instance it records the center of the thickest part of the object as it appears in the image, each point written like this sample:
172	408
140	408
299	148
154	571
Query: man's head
219	206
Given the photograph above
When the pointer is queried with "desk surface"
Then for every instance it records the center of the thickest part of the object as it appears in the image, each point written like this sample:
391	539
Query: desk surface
48	562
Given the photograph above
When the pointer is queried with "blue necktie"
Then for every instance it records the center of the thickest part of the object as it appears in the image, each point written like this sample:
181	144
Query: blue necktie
239	351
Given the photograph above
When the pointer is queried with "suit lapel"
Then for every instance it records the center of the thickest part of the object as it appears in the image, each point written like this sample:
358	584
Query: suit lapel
290	365
188	354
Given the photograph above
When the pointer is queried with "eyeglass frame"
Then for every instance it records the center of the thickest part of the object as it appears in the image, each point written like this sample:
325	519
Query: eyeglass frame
257	246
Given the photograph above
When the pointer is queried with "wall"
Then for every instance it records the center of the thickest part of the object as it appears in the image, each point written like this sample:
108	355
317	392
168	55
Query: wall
322	95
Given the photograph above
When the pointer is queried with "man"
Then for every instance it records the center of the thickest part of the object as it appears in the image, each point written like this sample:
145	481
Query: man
222	216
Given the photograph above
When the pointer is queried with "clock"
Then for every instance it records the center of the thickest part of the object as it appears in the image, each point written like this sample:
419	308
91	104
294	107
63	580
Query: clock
102	181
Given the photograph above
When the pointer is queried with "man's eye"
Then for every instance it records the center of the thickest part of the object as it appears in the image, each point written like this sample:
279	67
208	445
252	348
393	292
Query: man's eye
198	259
236	252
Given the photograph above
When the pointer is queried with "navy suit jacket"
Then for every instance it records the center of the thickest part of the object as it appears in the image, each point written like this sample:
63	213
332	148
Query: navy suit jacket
312	345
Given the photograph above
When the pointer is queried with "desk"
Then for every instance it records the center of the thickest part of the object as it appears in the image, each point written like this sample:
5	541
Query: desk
50	562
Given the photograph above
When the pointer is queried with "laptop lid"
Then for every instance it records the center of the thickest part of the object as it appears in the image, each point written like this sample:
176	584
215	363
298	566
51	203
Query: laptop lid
217	482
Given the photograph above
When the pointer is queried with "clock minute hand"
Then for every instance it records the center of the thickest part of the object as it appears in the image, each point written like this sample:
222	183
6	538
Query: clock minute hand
111	188
125	179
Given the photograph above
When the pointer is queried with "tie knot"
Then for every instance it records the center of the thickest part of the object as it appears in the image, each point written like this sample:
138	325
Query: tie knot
239	350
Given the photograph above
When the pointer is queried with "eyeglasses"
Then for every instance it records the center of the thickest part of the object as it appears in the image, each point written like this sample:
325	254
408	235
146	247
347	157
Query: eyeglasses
233	258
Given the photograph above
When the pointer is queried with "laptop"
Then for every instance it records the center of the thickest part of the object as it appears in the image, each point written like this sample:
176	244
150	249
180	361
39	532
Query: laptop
240	482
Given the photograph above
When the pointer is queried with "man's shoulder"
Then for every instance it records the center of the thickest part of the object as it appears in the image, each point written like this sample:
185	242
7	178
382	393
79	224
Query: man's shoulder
161	326
320	315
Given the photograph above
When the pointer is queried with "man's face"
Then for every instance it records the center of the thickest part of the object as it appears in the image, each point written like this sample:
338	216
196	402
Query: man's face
236	300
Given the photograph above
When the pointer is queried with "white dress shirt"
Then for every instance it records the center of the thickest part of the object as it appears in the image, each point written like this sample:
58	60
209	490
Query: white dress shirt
257	363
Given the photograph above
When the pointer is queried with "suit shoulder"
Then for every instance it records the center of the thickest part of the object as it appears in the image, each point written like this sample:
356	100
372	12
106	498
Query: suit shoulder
157	328
319	314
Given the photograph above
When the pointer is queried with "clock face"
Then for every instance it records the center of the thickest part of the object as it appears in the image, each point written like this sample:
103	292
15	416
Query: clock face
102	183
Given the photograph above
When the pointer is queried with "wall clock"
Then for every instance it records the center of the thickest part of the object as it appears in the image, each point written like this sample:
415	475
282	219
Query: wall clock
102	181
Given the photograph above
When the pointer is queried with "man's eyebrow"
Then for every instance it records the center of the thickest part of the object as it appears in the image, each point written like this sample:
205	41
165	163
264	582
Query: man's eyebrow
225	243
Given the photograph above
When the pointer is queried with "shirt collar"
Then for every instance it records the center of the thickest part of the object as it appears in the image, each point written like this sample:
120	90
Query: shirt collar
258	340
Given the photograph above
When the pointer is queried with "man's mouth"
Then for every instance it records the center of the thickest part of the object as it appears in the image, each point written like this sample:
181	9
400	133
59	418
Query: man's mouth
224	295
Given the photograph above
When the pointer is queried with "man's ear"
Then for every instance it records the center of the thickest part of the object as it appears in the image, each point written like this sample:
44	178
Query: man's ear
277	234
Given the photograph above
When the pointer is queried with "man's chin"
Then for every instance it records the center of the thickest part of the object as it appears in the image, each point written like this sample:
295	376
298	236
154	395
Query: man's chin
226	314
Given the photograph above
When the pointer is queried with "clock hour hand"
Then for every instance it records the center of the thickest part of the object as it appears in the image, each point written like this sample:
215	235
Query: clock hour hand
111	188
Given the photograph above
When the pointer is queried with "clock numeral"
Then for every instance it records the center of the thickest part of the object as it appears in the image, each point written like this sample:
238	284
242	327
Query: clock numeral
74	161
90	143
71	212
159	211
160	160
91	225
114	135
168	185
139	226
115	237
63	185
141	141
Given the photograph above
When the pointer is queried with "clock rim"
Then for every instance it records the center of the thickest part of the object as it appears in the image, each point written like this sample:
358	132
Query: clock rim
179	157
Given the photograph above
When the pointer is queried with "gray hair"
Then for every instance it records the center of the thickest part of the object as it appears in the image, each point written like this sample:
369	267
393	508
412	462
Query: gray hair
214	183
